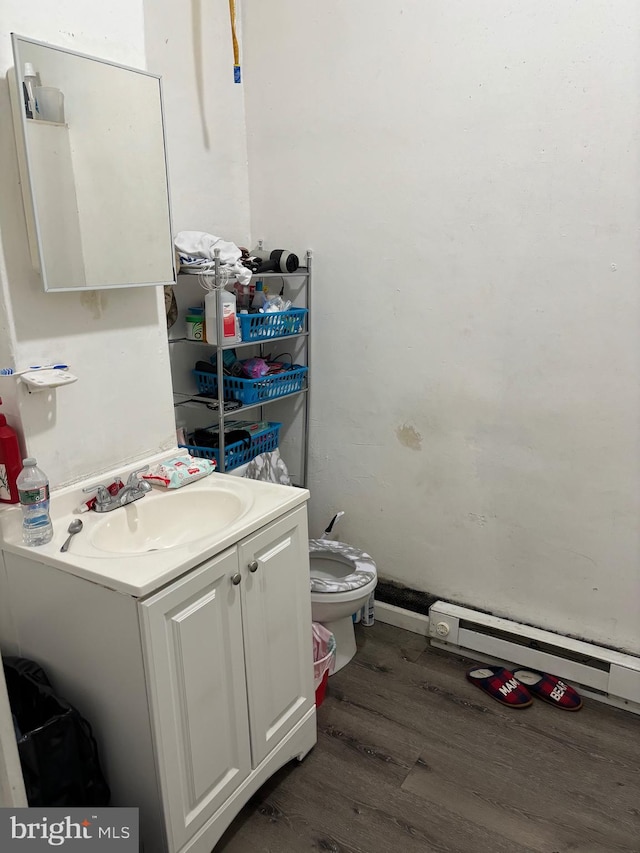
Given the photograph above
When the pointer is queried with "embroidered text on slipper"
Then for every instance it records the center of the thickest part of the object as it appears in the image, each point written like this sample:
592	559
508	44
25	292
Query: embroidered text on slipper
508	686
558	691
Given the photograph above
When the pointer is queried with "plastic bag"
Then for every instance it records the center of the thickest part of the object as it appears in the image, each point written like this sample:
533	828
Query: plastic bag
254	368
58	753
324	659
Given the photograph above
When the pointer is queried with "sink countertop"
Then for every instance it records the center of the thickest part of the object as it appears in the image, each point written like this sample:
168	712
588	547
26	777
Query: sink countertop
140	574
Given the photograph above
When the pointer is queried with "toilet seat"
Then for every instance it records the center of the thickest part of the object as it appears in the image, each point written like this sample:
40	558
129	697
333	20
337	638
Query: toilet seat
360	567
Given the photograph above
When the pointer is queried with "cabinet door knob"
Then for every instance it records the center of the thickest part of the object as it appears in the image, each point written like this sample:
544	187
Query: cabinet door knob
253	566
235	580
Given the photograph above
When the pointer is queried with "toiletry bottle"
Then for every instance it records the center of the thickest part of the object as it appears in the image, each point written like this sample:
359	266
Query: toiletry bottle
181	431
33	491
195	327
228	316
245	328
368	611
30	82
28	108
10	463
259	297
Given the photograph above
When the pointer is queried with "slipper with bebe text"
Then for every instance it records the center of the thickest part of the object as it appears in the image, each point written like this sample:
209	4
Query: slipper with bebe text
549	688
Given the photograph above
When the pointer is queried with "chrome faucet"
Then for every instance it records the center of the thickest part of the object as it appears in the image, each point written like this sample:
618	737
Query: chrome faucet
134	489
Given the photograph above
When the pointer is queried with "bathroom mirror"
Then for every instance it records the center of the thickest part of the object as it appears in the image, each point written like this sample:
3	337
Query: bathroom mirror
93	166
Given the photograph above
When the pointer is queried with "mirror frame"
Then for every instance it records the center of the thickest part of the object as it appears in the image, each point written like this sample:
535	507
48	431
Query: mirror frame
28	193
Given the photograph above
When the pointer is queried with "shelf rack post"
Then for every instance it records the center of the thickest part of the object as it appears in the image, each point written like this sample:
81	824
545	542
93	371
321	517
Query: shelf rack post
219	357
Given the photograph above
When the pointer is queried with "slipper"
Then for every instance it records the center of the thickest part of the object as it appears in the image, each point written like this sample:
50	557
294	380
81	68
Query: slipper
550	688
501	685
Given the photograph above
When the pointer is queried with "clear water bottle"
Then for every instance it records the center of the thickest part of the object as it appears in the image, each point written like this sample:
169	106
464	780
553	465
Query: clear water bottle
33	492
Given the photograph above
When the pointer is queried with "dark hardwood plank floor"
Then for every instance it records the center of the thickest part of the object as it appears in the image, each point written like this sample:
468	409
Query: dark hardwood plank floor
411	757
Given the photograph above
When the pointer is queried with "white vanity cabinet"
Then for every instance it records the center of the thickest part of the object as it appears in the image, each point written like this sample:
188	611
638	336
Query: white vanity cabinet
228	649
197	692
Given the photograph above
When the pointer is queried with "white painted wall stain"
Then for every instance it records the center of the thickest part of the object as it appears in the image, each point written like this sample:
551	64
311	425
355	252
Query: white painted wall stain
409	437
95	302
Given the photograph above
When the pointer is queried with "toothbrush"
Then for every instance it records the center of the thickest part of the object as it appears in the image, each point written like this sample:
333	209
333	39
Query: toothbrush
9	371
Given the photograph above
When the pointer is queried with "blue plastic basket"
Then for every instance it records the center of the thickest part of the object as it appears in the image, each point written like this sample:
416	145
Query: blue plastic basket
273	324
238	452
253	390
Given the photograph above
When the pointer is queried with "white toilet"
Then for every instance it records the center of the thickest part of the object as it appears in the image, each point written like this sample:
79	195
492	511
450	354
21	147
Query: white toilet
342	579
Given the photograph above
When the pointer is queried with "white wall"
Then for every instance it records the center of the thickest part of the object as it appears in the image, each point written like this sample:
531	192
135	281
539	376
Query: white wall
467	174
115	341
188	42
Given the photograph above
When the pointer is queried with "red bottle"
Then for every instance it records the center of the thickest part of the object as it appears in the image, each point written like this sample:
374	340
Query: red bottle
10	463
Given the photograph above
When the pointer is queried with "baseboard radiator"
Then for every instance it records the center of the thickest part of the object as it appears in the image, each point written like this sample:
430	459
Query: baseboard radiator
602	673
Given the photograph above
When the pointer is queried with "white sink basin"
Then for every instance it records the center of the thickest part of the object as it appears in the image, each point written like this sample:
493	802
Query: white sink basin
160	521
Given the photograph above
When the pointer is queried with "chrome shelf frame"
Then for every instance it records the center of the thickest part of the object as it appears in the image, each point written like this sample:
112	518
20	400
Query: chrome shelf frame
183	399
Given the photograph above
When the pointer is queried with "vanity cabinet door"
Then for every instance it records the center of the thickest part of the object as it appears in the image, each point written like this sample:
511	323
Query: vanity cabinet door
193	647
277	630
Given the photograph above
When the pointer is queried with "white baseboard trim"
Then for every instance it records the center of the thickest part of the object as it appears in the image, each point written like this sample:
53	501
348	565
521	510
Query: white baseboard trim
401	618
600	672
622	704
419	624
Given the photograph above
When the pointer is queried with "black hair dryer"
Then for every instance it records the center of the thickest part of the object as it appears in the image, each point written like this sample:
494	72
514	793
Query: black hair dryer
279	260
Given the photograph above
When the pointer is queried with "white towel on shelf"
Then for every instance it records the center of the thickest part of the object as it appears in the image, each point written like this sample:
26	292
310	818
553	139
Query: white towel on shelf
199	244
196	251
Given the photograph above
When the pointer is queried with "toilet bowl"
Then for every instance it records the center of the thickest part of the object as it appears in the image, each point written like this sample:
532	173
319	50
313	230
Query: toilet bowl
342	579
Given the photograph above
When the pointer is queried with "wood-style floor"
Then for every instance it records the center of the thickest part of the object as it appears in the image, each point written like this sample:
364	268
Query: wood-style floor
411	757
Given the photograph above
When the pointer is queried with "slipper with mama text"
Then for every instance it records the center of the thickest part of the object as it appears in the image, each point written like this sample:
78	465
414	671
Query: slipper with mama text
501	685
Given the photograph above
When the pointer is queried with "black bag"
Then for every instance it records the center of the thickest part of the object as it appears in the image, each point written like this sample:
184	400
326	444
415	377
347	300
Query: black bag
58	753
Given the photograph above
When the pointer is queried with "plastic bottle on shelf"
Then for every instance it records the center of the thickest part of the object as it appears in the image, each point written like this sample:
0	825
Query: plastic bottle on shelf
229	331
259	297
243	313
244	295
30	82
33	491
10	463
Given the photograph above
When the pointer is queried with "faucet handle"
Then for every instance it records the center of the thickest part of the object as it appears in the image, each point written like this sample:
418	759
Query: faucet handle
133	476
103	495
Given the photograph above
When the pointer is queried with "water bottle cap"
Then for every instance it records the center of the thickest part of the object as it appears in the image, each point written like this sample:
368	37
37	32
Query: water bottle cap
30	462
28	70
